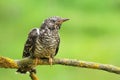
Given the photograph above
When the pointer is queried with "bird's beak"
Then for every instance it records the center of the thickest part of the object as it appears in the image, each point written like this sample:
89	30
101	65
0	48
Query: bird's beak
62	20
65	19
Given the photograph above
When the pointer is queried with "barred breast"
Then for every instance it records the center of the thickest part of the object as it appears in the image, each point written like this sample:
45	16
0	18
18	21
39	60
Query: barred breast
46	45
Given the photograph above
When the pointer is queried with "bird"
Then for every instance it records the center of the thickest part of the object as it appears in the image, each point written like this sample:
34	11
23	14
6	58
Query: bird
43	42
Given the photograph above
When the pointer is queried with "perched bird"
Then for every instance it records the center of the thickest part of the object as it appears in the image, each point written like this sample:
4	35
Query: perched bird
43	42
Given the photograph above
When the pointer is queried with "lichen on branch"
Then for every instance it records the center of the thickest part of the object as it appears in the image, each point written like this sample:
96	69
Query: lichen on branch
15	64
7	63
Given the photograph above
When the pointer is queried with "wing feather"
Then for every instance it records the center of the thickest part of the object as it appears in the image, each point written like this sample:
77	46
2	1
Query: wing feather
57	46
30	43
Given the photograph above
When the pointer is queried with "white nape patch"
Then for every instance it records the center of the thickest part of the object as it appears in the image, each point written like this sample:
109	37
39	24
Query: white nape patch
37	31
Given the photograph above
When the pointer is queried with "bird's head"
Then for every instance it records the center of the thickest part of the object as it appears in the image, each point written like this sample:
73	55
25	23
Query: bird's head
54	22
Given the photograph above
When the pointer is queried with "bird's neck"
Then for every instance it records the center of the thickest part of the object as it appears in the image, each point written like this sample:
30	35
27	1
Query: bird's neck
42	26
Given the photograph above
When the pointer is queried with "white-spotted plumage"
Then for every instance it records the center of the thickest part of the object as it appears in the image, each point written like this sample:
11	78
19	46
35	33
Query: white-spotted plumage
43	42
38	32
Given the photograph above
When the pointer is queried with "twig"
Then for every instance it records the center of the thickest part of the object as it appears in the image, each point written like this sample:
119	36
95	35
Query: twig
33	76
30	63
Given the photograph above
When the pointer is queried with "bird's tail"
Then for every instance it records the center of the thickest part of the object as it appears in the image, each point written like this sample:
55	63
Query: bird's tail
21	71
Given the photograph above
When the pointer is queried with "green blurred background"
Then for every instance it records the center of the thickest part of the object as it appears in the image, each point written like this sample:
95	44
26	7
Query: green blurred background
91	34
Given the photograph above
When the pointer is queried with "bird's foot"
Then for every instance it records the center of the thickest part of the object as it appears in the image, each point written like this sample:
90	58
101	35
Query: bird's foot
50	61
36	61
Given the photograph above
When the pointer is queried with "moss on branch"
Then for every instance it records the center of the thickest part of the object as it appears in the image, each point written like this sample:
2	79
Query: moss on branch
7	63
30	63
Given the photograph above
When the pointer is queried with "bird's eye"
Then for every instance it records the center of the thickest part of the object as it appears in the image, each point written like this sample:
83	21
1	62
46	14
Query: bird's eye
53	21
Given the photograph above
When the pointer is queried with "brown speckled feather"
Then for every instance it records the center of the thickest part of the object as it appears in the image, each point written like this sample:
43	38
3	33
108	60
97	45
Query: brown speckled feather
43	42
30	43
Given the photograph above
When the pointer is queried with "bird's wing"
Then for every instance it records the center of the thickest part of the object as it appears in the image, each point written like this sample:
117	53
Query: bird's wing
57	46
30	43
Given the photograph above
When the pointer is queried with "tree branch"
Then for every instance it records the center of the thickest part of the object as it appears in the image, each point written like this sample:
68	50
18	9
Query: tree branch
30	63
33	76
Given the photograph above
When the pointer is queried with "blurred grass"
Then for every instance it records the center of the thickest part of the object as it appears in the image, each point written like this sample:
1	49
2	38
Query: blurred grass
91	34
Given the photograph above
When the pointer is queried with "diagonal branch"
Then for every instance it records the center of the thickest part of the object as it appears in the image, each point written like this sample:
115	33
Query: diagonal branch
30	63
33	76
